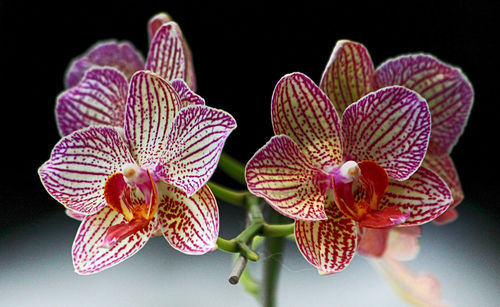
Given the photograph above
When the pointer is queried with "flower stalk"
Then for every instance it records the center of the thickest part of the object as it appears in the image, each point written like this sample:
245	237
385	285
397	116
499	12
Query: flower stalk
232	167
237	198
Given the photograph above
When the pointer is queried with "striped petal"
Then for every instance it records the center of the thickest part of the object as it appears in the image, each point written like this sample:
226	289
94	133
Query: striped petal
444	167
425	195
98	99
187	96
151	108
80	164
446	89
280	173
328	245
190	224
304	113
349	74
391	127
75	215
166	53
122	56
447	217
89	255
194	146
154	24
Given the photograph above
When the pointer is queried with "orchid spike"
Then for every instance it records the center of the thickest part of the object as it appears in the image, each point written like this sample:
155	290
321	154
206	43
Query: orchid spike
335	176
97	83
146	177
350	74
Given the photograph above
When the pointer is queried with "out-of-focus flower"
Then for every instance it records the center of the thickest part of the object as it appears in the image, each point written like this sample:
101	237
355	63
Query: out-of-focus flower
98	81
148	176
350	75
401	244
333	177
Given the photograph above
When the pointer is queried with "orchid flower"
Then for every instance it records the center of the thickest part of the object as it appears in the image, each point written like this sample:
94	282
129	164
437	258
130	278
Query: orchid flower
401	244
98	81
350	74
334	177
145	177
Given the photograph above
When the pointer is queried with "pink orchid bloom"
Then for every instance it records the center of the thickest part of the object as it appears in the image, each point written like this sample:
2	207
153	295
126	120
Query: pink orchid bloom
350	75
146	177
98	81
334	176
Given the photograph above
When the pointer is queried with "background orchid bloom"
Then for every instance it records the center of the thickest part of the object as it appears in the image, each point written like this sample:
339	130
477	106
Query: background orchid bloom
400	245
98	82
350	74
334	176
146	177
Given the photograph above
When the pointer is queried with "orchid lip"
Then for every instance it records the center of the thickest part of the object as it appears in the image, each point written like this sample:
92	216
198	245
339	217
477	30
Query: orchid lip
120	192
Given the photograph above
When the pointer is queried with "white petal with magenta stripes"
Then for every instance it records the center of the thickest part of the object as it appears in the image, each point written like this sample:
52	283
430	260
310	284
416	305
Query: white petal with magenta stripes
328	245
446	89
190	224
280	173
122	56
151	108
194	146
304	113
187	96
90	257
425	195
349	74
154	24
390	127
445	168
98	99
80	164
166	53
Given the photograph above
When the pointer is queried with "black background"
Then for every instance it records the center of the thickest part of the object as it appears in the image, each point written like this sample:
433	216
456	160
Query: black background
240	51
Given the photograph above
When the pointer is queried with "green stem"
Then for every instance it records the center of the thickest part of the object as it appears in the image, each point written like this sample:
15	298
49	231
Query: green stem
281	230
273	256
232	167
253	207
228	195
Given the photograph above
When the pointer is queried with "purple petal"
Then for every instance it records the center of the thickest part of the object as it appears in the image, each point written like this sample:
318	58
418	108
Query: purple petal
190	224
80	164
446	89
281	174
122	56
90	257
328	245
194	146
98	99
304	113
425	195
151	108
166	53
187	96
349	74
391	127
